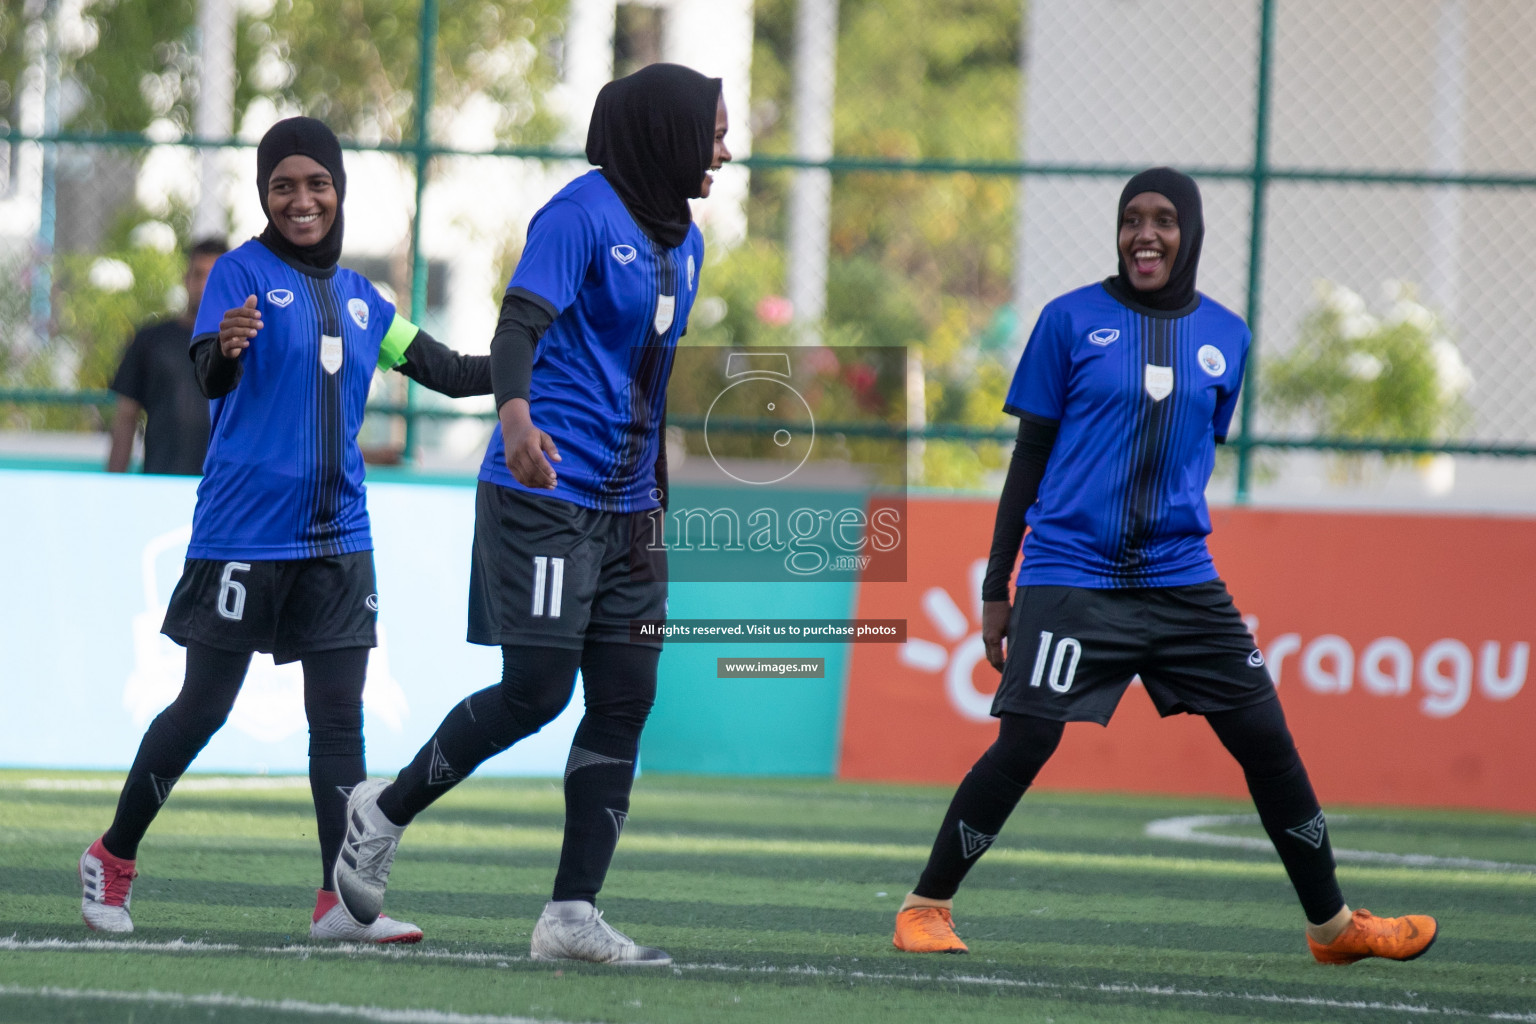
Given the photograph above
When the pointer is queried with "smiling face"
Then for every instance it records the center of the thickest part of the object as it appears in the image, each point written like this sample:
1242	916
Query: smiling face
722	155
1149	240
301	200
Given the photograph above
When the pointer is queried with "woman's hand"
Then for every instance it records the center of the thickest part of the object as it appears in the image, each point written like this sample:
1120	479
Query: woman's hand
527	446
994	627
238	327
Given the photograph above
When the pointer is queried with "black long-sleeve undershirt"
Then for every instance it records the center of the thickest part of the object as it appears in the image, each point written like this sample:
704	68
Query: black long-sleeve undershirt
524	319
1031	451
217	374
434	365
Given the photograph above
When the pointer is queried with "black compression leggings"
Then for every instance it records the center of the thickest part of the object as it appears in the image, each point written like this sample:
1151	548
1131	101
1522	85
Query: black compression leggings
1259	739
619	682
333	703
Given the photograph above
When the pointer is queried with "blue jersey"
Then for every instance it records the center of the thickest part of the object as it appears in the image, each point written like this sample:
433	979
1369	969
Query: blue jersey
600	372
1140	401
284	475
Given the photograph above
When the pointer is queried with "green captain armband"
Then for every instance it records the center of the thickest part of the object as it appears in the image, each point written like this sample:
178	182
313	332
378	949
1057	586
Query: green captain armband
399	337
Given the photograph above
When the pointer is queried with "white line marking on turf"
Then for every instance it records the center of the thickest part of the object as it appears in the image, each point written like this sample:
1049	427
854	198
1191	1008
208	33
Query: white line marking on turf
348	949
1189	829
196	784
328	1010
1127	989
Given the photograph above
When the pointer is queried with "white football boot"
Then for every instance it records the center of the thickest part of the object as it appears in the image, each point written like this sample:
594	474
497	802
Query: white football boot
367	853
106	884
575	930
331	923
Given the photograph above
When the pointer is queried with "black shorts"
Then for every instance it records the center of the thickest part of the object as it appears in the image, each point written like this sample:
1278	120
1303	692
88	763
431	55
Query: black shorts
549	573
283	608
1072	652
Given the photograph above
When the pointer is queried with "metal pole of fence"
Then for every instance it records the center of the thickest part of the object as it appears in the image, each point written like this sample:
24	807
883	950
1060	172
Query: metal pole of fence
810	198
1256	240
41	305
423	153
214	117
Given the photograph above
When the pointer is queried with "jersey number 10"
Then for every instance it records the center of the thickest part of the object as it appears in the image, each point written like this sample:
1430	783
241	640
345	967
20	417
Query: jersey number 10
1068	653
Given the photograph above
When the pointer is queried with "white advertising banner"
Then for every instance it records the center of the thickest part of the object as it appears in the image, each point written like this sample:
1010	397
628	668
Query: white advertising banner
90	563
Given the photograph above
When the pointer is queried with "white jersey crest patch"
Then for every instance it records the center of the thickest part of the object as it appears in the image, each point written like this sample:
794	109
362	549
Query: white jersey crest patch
280	297
691	269
1159	381
330	353
359	312
665	305
1211	360
623	253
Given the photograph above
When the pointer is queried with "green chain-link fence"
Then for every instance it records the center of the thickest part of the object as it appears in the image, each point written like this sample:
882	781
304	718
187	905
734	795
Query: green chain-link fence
908	173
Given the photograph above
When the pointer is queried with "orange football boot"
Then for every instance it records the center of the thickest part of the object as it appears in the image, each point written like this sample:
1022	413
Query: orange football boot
927	930
1393	938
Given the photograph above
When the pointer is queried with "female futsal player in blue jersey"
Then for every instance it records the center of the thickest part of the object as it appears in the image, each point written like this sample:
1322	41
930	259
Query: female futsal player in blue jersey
581	359
281	556
1123	392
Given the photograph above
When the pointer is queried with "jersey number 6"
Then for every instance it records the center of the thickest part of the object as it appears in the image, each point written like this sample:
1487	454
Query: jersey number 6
232	594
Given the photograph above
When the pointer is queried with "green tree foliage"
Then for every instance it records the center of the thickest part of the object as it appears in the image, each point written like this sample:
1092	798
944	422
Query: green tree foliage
131	66
917	259
1393	375
352	63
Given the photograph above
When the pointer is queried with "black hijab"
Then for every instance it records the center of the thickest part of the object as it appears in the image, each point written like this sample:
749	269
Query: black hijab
306	137
1178	296
653	135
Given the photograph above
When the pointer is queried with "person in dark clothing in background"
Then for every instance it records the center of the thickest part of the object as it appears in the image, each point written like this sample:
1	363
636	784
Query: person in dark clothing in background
156	378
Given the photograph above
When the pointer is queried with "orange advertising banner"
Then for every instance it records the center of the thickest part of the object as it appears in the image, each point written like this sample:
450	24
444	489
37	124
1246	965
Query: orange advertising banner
1400	645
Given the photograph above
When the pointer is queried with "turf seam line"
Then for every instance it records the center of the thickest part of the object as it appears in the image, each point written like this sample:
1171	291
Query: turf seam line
351	949
382	1014
1187	829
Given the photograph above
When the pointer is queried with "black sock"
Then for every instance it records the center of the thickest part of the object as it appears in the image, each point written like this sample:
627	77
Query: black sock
1282	793
620	687
536	685
173	740
598	778
333	702
984	800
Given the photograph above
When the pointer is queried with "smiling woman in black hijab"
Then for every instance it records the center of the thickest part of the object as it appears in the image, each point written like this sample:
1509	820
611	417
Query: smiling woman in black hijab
1123	392
302	136
286	342
580	362
1174	295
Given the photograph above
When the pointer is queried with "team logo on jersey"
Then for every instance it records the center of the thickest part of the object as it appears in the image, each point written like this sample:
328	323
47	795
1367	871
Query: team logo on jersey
690	272
330	353
1103	336
1159	381
280	297
623	253
372	601
665	305
359	310
1211	360
1256	658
